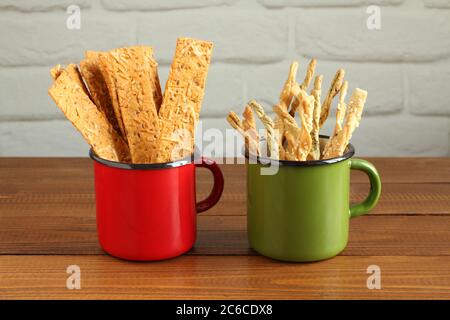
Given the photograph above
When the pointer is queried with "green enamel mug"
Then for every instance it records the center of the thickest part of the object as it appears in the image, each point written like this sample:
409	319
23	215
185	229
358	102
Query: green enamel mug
300	211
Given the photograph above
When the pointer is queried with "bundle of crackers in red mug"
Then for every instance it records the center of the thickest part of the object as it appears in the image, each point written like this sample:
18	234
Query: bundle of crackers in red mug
115	100
289	139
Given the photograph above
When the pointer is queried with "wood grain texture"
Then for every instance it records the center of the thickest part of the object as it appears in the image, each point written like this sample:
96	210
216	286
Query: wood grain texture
226	235
44	277
47	222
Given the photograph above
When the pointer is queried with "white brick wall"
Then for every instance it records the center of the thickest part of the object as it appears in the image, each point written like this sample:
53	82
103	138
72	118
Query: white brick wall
405	66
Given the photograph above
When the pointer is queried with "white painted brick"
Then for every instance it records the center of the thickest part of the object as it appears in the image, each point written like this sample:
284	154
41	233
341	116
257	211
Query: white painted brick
224	90
382	81
23	93
443	4
41	5
55	138
238	36
401	135
45	40
428	88
325	3
405	35
126	5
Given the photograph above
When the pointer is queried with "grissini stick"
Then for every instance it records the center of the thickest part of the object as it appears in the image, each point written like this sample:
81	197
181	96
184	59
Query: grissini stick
314	154
339	143
340	114
272	146
332	92
249	126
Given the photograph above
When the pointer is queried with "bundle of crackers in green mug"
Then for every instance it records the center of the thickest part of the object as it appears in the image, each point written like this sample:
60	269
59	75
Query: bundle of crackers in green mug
115	100
298	140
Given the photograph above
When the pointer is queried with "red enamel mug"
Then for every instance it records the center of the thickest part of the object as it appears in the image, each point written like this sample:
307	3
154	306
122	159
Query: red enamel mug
148	211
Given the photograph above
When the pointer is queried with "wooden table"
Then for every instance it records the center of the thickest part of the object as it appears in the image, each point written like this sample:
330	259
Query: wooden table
47	222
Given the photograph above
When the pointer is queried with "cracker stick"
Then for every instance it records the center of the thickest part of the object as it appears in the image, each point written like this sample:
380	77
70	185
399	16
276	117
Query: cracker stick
306	118
292	133
339	142
249	125
133	75
106	66
332	92
305	84
285	101
309	74
85	116
314	154
286	92
56	71
95	81
183	95
340	114
272	146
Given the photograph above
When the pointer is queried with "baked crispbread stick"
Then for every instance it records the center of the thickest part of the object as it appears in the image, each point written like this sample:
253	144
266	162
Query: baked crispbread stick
339	143
249	125
90	70
133	73
292	133
106	66
87	118
306	110
314	154
271	139
284	102
183	97
340	114
305	84
332	92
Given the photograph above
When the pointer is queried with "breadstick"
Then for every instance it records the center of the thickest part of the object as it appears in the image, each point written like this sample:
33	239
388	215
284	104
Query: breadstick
305	84
292	133
249	125
340	114
106	66
87	118
183	95
339	142
332	92
133	74
309	74
272	145
286	92
314	154
55	71
95	81
306	117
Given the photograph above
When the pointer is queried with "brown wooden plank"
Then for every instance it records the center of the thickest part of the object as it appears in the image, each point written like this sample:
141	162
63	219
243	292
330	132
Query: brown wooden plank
395	199
226	235
244	277
65	174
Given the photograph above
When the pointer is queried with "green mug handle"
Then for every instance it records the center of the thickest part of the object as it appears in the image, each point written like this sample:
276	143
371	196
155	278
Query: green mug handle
375	187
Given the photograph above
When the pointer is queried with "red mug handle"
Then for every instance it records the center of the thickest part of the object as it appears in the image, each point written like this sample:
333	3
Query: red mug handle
217	189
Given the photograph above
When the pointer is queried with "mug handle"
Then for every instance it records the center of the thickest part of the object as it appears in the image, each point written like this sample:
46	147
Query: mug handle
375	187
217	189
